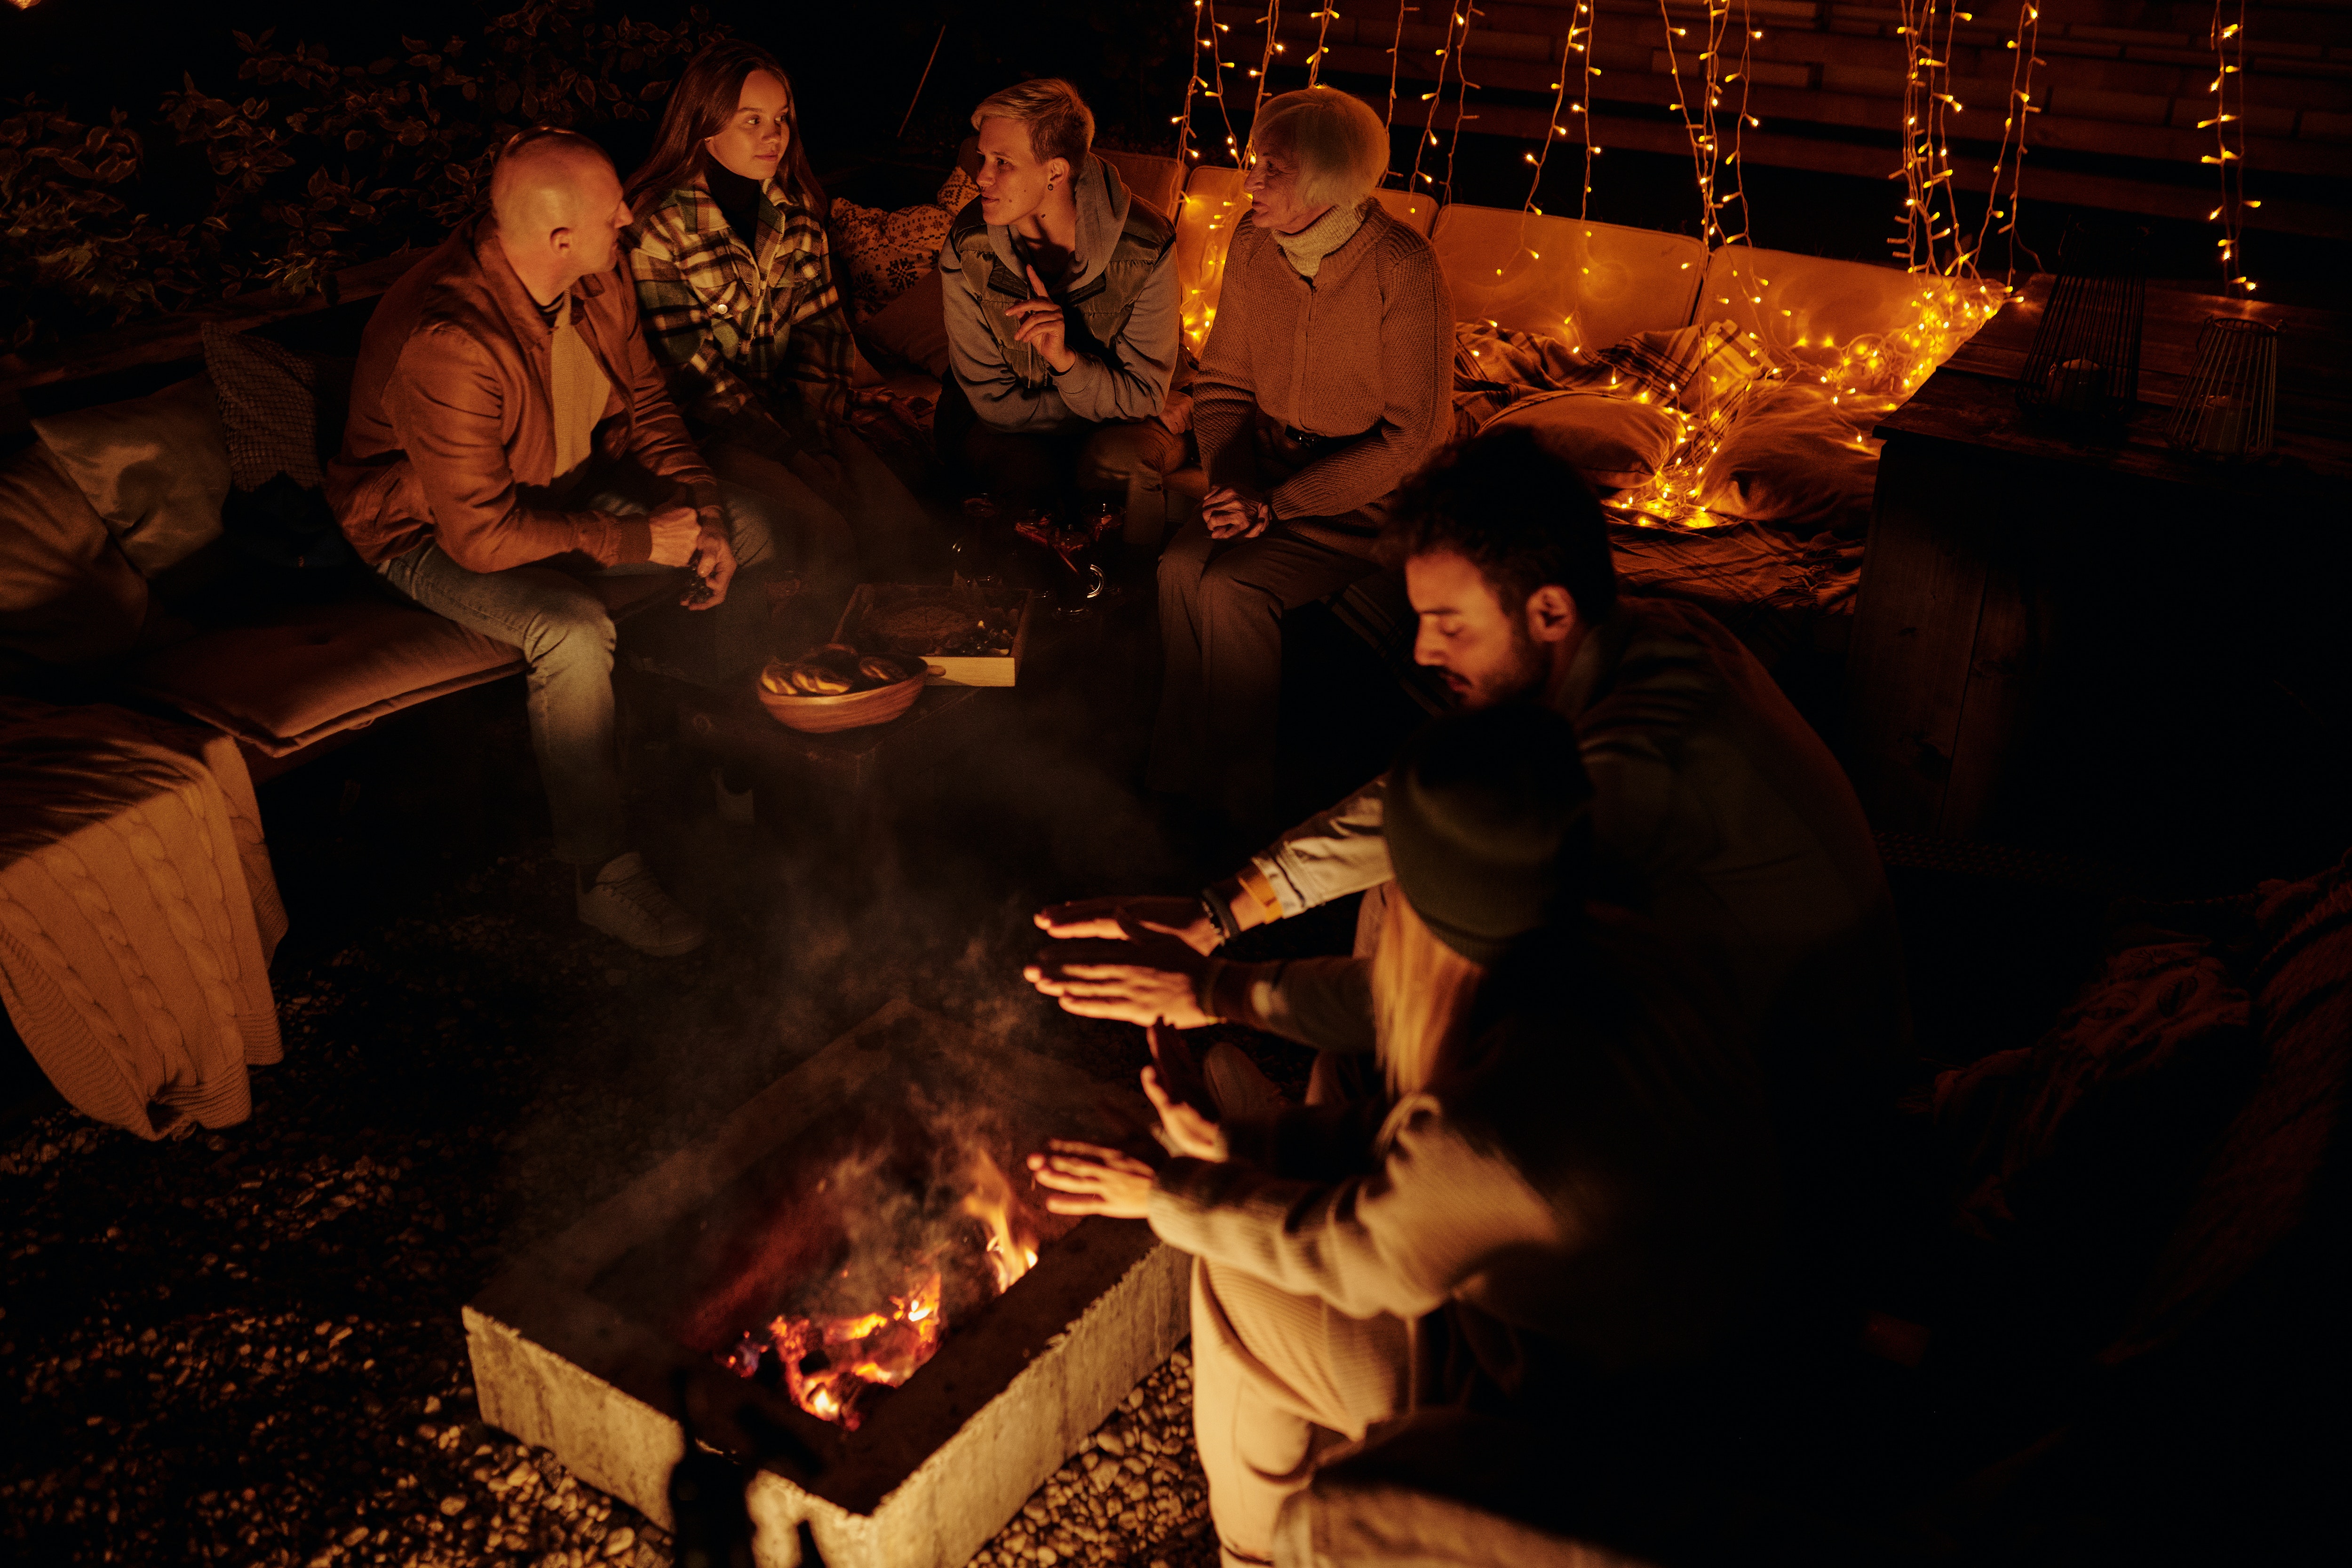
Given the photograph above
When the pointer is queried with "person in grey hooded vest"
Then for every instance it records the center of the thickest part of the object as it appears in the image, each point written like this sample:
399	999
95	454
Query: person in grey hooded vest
1063	312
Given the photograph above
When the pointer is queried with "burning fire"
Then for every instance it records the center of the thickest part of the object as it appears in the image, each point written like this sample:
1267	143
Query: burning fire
990	1202
828	1361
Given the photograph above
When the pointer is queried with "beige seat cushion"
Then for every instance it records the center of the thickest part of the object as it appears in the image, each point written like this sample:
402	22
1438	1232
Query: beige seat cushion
1616	443
306	672
1214	204
1154	180
1587	284
156	467
1415	213
66	592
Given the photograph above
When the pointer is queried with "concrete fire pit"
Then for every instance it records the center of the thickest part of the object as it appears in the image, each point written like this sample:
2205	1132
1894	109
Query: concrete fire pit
576	1345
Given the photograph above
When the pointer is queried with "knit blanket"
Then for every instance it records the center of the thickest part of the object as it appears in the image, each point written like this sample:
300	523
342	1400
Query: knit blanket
138	914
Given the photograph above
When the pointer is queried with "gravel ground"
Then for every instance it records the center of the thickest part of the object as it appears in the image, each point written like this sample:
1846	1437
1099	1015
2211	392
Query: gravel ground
244	1346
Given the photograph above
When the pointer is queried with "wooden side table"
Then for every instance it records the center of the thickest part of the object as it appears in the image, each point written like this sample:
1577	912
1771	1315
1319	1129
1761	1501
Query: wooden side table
2055	637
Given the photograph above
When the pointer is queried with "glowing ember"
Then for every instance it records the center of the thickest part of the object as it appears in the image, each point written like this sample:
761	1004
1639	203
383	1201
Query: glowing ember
829	1362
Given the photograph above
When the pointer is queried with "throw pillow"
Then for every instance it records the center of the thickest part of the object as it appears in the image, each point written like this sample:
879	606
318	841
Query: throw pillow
912	329
156	467
66	593
1614	442
1699	370
884	254
283	411
1794	458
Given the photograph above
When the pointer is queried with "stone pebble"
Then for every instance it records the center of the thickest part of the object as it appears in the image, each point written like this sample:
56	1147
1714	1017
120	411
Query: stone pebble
1132	1497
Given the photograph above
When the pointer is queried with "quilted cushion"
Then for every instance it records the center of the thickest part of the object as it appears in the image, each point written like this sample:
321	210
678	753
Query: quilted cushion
1615	443
1795	459
66	593
156	467
308	672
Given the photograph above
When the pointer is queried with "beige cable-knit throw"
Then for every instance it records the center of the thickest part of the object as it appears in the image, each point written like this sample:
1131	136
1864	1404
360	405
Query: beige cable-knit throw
1364	350
137	914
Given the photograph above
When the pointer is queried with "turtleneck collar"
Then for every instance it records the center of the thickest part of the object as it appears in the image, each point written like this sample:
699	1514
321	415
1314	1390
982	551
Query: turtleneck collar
737	200
1309	245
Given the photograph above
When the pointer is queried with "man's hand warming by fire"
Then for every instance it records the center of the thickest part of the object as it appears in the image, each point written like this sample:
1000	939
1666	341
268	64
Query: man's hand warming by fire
1094	1180
1157	979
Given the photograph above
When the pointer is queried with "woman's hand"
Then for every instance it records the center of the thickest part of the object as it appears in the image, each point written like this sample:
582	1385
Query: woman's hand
1183	1130
1093	1180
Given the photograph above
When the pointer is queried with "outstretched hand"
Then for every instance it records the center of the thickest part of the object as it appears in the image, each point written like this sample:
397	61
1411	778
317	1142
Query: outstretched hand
1160	982
1100	919
1092	1179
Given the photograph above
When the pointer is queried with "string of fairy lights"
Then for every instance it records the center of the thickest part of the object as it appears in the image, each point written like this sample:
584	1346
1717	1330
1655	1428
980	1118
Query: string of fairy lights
1711	99
2228	40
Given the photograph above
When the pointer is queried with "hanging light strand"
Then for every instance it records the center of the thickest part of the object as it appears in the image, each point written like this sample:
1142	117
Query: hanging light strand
1462	86
1700	107
2229	125
1447	56
1315	61
1273	20
2011	155
1568	51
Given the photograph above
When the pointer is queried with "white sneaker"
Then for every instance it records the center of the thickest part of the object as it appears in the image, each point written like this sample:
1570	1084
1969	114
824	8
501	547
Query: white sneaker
627	902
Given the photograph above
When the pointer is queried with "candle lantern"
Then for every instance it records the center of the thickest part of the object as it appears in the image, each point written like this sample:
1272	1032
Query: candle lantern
2084	367
2228	411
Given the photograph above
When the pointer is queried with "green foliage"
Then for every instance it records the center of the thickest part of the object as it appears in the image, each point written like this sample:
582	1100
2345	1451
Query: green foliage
327	165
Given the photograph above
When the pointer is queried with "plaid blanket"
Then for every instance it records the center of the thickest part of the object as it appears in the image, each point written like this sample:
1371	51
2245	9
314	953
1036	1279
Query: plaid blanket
735	329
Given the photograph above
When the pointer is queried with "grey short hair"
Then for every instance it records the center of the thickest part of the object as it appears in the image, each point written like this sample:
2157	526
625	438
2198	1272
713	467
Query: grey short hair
1338	140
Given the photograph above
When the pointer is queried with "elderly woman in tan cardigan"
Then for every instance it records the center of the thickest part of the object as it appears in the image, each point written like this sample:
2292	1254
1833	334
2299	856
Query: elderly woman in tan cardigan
1324	386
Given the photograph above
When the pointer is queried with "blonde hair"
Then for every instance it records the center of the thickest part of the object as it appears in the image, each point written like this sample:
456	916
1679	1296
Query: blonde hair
1422	994
1060	124
1336	138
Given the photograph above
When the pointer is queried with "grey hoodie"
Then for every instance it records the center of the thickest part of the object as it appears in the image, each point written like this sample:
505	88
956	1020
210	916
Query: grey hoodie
1124	378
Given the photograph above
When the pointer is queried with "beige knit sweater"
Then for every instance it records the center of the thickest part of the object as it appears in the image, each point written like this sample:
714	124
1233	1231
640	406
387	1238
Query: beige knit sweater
1363	350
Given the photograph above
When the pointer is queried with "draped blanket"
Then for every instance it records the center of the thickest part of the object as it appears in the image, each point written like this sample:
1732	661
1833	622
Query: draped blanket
137	914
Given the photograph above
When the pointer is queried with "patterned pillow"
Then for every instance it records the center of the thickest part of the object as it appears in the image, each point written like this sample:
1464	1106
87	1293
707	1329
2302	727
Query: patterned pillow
284	414
886	253
283	410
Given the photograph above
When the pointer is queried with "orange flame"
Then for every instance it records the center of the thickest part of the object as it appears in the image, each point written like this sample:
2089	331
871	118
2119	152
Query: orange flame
989	1201
829	1361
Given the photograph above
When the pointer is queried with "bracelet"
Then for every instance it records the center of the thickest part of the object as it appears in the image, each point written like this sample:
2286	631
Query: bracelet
1255	882
1219	914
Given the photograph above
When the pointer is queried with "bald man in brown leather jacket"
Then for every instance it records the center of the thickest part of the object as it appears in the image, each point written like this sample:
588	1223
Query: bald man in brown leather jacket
509	435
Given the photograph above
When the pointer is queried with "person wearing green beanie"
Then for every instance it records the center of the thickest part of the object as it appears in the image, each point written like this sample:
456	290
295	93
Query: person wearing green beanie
1571	1204
1716	812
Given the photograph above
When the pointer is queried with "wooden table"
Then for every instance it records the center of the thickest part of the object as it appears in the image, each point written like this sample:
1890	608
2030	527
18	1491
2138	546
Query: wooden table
2069	642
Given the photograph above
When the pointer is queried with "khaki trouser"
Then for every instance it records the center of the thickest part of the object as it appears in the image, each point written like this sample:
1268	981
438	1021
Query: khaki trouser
1278	1379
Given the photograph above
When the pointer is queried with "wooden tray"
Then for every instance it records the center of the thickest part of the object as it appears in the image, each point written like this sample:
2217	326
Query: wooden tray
947	669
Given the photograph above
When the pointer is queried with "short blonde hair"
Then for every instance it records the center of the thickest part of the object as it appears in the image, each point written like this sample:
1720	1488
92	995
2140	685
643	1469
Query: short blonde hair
1337	139
1060	124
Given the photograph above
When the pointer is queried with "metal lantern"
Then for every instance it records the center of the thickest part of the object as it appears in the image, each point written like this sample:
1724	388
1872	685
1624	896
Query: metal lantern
2083	367
2229	408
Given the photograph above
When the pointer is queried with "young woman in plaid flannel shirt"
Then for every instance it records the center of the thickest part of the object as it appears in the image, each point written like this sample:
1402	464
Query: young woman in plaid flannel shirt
735	286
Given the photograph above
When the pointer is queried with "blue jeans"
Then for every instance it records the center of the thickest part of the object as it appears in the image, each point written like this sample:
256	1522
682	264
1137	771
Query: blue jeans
566	636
